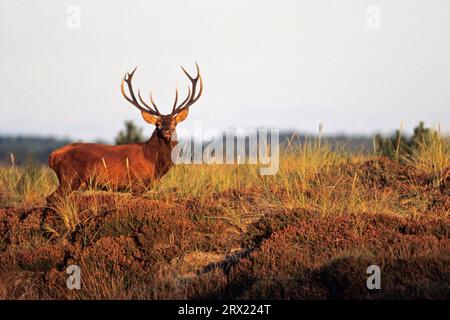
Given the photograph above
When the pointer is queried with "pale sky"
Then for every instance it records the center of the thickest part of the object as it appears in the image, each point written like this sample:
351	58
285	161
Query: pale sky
275	64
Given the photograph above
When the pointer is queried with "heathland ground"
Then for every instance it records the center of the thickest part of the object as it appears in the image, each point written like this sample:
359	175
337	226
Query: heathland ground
224	231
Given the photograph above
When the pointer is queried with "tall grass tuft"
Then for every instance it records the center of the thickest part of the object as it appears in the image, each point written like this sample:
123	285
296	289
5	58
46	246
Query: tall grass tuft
67	217
432	155
25	186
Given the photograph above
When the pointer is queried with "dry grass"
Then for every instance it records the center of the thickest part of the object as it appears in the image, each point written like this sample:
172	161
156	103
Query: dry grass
214	231
25	186
433	156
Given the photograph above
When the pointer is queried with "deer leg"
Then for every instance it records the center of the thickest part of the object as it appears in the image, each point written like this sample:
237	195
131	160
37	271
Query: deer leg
65	188
138	190
142	186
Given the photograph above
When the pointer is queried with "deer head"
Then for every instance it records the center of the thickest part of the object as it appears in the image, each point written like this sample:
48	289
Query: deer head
165	124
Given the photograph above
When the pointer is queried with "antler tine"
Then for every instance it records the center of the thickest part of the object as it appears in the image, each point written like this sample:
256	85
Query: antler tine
191	98
156	111
176	100
186	73
153	102
182	103
128	79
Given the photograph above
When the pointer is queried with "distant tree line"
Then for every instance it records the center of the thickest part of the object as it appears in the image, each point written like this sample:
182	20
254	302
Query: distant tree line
32	148
130	134
23	149
398	146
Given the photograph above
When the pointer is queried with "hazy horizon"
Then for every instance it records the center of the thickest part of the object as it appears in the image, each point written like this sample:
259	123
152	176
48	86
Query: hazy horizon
289	65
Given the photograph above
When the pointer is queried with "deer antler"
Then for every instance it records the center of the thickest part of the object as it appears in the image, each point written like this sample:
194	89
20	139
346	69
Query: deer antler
191	97
146	108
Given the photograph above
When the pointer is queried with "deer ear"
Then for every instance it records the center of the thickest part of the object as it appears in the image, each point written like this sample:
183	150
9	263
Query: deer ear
181	115
149	118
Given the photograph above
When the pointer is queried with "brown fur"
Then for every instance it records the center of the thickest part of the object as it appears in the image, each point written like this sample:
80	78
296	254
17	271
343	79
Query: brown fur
132	166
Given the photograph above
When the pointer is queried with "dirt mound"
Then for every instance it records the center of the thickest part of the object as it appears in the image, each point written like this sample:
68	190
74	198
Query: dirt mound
120	238
133	247
315	258
383	172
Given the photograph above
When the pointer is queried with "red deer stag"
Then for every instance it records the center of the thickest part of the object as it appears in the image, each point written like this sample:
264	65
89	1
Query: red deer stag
134	165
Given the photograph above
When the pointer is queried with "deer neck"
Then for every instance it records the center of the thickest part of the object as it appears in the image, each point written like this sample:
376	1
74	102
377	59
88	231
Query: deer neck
157	150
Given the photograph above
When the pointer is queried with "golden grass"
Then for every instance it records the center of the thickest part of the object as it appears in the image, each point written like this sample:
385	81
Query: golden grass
311	176
25	186
432	156
67	213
